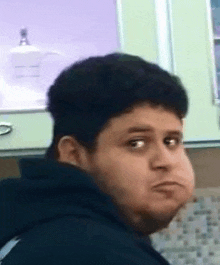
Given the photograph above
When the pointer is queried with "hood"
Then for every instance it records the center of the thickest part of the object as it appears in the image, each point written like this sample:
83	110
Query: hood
48	190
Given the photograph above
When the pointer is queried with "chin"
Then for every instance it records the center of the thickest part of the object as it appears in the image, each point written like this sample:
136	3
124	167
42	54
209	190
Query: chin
154	226
150	226
149	223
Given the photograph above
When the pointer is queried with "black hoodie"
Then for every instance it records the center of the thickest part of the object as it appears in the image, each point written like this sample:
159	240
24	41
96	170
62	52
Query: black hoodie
56	214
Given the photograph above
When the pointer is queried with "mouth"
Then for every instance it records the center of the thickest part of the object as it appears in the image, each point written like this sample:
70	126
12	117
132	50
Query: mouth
167	184
168	188
171	190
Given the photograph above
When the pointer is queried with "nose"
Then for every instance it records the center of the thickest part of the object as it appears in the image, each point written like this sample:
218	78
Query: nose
162	158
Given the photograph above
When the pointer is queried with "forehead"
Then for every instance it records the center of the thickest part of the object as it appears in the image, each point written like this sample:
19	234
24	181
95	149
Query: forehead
153	119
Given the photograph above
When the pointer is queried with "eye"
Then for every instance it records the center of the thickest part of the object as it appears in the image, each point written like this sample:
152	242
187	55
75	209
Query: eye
136	143
172	142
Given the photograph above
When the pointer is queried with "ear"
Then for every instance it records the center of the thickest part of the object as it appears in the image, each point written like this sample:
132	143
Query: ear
69	150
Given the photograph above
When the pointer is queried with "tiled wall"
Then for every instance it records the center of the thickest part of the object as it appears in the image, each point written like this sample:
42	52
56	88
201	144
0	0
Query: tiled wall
193	237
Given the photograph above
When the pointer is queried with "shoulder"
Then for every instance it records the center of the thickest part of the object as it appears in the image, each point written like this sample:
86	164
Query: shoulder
76	241
78	232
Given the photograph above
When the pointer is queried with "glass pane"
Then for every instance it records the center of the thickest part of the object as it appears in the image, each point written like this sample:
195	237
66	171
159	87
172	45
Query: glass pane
216	16
62	31
217	59
215	4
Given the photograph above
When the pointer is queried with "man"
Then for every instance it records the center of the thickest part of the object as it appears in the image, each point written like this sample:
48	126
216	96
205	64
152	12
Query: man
115	173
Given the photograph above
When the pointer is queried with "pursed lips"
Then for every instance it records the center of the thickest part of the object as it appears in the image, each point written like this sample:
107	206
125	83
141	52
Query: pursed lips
167	183
169	188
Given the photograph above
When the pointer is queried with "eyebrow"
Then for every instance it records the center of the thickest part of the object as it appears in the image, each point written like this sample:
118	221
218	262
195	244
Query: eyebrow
151	129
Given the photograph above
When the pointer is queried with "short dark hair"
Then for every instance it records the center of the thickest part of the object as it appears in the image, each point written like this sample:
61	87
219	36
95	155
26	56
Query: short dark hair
87	94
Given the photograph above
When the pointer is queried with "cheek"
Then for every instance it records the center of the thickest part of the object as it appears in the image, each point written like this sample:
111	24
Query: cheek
123	171
187	172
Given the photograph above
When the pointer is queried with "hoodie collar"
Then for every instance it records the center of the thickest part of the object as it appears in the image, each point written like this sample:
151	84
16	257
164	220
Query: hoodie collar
47	190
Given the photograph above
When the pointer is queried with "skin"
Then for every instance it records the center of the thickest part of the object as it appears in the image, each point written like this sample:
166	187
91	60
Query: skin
136	152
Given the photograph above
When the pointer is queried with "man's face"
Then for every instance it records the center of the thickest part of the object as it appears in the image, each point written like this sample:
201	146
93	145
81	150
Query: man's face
141	163
136	155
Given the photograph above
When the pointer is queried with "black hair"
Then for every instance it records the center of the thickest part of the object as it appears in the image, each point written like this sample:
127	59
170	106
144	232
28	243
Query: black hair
87	94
